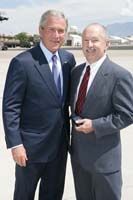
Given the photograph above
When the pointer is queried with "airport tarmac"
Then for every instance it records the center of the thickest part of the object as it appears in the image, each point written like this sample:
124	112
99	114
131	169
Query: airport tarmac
122	57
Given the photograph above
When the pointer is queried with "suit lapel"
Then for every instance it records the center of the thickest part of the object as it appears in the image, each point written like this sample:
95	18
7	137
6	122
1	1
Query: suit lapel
75	81
65	72
43	68
98	83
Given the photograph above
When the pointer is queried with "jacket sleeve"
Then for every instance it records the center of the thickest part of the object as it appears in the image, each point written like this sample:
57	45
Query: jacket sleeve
12	102
122	111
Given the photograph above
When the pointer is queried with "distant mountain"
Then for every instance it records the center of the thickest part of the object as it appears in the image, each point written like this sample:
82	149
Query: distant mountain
120	29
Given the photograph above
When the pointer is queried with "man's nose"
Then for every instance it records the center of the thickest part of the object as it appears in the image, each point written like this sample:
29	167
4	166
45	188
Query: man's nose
90	43
56	33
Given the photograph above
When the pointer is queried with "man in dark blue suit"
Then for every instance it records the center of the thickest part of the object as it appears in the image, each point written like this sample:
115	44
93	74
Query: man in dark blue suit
35	115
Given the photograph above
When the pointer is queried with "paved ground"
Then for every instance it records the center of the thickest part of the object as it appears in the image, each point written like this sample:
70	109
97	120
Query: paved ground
7	166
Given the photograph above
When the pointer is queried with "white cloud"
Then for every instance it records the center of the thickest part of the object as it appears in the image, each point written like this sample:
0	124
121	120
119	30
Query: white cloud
128	9
26	18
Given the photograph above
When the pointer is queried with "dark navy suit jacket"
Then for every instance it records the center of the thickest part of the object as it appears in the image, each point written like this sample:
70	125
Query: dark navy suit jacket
32	113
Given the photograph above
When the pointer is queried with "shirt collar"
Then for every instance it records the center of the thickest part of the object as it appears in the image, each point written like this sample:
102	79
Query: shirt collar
48	54
97	63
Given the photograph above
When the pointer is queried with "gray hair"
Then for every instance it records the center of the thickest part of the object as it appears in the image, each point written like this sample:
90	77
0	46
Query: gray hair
104	29
54	13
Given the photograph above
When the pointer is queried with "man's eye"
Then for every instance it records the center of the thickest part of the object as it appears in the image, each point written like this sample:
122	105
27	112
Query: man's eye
95	40
51	30
61	31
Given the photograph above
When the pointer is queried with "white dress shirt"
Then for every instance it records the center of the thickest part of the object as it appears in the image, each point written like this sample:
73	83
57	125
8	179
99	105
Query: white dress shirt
48	56
94	67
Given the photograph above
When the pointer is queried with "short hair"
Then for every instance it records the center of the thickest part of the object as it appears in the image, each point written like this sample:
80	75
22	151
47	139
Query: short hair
105	31
54	13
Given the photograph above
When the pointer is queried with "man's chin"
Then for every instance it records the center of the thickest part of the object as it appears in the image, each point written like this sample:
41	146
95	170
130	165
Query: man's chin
91	59
55	48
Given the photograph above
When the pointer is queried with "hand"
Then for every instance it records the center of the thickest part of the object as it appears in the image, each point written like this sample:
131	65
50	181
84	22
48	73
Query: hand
19	155
85	126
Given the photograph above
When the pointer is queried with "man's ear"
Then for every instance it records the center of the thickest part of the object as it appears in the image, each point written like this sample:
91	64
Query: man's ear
107	44
40	31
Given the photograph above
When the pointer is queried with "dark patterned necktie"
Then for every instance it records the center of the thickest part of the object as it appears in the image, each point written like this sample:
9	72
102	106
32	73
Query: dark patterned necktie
82	92
56	75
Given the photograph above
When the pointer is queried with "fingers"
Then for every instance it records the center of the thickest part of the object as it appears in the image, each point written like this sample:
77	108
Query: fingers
84	125
19	156
80	122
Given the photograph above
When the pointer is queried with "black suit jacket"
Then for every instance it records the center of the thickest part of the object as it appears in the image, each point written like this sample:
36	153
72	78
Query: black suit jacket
32	113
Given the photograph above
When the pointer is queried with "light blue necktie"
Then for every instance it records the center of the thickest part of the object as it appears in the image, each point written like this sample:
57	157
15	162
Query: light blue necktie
56	75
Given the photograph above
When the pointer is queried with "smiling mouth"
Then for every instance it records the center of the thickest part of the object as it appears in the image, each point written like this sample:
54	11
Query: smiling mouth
57	42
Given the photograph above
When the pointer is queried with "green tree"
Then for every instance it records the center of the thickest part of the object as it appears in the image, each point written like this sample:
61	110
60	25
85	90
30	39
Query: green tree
22	37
